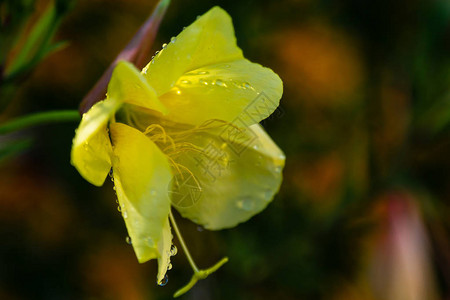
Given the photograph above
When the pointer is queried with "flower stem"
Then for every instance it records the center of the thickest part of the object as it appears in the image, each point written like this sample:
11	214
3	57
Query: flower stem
198	274
40	118
183	245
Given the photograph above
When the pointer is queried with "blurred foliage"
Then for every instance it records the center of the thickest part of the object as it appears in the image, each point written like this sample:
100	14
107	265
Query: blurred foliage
364	122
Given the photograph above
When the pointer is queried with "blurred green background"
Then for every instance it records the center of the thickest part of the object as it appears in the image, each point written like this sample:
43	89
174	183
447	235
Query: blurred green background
364	121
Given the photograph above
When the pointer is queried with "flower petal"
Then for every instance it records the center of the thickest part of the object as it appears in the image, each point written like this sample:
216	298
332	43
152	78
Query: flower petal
164	248
91	147
141	177
209	40
129	85
225	91
238	172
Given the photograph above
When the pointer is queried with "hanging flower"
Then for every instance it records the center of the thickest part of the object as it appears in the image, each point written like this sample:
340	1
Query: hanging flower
184	133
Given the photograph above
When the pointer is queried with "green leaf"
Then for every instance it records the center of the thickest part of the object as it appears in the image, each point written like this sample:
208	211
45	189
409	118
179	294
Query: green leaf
37	43
12	148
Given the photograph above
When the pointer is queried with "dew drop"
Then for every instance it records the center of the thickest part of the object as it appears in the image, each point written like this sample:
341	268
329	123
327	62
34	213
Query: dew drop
173	250
185	82
128	240
149	241
164	46
119	208
246	204
219	82
173	39
202	81
124	214
246	85
255	147
164	281
203	73
169	267
156	53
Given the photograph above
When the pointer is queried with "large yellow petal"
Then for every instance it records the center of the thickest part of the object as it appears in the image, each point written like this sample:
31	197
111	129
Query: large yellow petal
238	173
209	40
238	91
91	147
141	177
128	85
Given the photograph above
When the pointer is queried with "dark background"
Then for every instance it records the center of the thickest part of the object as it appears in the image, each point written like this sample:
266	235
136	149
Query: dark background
364	121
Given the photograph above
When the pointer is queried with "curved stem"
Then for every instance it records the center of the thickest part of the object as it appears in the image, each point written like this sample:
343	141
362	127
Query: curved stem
40	118
183	245
198	274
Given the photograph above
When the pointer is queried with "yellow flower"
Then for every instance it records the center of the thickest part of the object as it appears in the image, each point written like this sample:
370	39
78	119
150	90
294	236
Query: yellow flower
184	132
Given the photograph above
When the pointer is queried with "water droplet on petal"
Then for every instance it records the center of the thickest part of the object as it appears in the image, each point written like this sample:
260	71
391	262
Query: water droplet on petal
246	204
203	73
255	147
128	240
149	241
185	82
173	39
219	82
169	267
164	46
202	81
124	214
119	208
164	281
173	250
277	170
246	85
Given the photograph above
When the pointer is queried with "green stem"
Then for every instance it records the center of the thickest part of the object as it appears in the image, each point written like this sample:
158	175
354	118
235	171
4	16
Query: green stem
40	118
198	274
183	245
